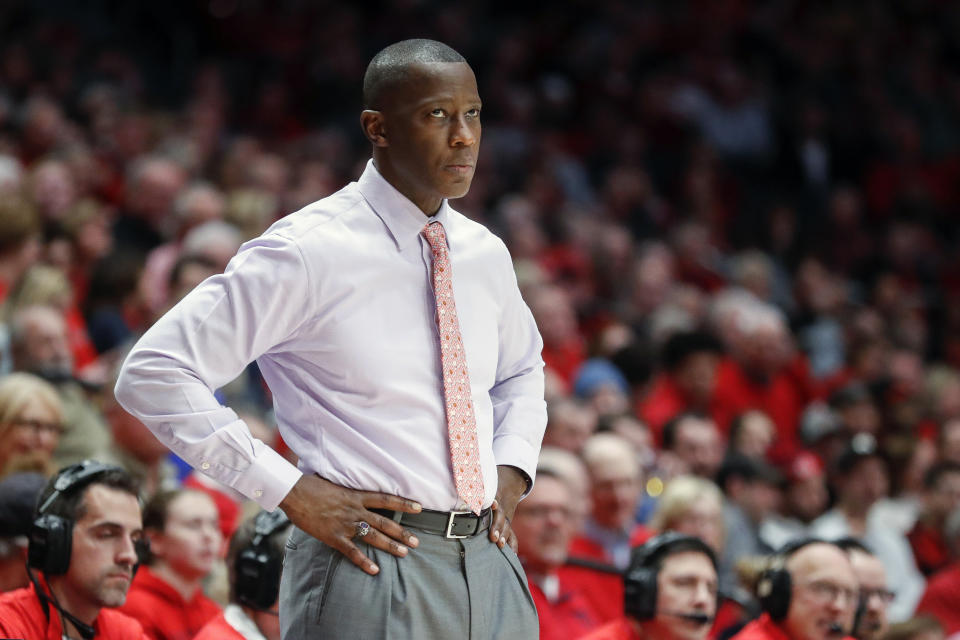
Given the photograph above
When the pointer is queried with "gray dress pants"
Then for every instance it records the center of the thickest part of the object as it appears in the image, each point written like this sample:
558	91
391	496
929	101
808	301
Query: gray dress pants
468	589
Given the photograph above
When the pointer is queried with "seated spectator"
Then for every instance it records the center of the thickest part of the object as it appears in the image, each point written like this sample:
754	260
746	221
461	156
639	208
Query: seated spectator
692	444
809	592
31	421
861	480
569	468
804	499
870	622
18	501
670	592
603	386
752	434
610	530
941	496
616	488
752	488
570	422
942	596
83	550
40	345
542	524
694	506
166	596
688	381
254	564
19	241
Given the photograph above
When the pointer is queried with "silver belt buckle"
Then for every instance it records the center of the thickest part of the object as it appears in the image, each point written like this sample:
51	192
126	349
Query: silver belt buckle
453	514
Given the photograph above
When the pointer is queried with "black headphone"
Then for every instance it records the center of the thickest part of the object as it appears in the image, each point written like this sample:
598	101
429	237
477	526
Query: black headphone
775	586
640	580
259	564
51	536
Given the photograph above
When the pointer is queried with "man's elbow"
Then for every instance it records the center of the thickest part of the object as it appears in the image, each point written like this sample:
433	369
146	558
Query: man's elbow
124	389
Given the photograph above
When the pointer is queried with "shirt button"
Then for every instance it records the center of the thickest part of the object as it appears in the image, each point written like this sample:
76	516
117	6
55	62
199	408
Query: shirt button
258	493
204	465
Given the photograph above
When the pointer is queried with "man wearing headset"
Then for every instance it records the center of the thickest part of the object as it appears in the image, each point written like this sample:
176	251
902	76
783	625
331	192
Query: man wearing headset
254	562
809	592
82	554
870	622
670	592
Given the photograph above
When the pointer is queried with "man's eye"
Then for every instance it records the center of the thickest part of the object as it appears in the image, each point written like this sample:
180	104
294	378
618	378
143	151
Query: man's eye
474	113
437	113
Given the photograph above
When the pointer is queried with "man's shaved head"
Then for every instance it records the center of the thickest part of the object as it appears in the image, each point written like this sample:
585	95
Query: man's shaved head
392	65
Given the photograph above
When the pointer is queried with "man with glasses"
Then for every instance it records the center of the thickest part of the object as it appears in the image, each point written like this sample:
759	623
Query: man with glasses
810	592
543	526
870	622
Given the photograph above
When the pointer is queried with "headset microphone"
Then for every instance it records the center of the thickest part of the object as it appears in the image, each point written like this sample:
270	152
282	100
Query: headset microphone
836	628
699	618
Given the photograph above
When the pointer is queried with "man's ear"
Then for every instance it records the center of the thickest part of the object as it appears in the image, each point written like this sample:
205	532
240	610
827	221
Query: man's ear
374	127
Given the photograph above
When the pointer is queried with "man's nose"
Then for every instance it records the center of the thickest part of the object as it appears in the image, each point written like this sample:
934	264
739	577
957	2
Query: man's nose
127	553
463	132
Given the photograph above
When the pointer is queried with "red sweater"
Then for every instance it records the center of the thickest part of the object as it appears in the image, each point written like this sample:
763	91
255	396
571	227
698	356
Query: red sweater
164	614
570	616
942	599
619	629
763	628
218	629
21	616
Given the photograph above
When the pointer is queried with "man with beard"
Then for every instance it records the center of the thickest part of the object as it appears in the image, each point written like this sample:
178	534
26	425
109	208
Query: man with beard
83	547
670	592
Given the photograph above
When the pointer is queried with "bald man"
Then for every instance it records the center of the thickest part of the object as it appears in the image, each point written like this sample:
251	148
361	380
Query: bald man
406	376
809	593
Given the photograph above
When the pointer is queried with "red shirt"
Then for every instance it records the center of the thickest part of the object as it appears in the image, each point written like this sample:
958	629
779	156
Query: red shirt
21	616
619	629
163	612
763	628
569	616
929	548
603	591
782	397
942	598
218	629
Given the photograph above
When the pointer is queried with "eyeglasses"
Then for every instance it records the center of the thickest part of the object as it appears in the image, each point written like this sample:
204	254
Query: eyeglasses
40	426
885	595
824	592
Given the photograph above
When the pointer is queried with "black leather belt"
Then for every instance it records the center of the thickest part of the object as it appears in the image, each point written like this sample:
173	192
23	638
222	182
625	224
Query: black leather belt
450	524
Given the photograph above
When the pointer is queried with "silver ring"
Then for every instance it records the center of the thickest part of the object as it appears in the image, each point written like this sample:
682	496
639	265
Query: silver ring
362	529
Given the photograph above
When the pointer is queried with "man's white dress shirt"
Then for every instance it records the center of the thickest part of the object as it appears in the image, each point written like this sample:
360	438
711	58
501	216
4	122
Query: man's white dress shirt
335	304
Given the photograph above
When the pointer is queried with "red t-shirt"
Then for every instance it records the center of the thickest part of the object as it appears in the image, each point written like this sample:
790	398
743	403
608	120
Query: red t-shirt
218	629
763	628
21	616
163	612
569	616
929	548
942	598
619	629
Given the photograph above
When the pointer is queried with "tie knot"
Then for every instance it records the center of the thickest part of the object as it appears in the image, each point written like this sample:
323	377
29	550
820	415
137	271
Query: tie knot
435	235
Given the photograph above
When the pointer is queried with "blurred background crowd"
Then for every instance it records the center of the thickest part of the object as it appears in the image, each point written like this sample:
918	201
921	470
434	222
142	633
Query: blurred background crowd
734	222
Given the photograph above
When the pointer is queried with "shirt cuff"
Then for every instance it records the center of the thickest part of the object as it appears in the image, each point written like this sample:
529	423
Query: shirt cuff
268	480
514	451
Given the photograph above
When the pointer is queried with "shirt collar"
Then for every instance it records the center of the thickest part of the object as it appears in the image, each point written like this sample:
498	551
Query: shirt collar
403	219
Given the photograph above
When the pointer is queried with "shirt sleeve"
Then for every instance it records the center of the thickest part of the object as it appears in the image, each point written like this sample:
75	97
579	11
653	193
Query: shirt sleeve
519	410
169	378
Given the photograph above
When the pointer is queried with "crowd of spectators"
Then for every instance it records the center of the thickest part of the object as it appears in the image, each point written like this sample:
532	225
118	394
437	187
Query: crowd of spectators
735	223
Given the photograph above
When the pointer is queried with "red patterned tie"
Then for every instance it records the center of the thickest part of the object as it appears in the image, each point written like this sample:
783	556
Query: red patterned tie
461	422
